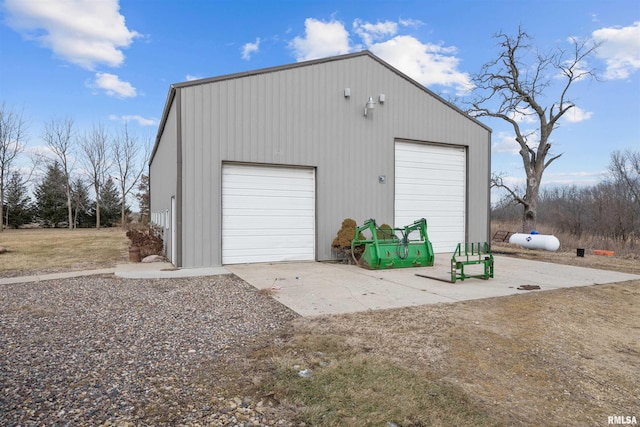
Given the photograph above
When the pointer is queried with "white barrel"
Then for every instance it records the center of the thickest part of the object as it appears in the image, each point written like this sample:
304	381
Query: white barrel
546	242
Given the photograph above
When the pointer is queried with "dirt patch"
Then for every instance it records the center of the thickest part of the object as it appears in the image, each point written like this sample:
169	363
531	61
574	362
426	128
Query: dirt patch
565	357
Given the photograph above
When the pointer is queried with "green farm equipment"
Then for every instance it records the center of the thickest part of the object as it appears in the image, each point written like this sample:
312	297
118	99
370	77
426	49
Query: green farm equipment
393	247
471	254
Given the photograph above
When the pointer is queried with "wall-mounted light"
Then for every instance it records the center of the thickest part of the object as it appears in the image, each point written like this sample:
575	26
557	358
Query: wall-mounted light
370	105
381	98
347	92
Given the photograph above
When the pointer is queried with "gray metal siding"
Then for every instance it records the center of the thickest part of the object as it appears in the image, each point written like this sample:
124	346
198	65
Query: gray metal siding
163	173
299	116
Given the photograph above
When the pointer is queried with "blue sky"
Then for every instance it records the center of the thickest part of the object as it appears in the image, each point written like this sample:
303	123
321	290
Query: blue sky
110	61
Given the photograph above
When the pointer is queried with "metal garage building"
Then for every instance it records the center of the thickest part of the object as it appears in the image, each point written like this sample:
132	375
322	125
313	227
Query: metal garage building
264	165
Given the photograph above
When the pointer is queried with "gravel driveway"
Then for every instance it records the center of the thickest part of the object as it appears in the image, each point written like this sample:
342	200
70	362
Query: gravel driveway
103	350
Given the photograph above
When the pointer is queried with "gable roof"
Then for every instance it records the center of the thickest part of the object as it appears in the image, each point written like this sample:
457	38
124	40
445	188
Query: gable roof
173	88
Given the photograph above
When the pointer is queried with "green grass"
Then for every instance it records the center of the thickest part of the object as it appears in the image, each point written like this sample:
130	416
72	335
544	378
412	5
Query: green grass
355	389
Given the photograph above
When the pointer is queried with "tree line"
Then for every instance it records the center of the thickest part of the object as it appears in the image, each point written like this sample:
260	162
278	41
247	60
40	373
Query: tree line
609	209
83	179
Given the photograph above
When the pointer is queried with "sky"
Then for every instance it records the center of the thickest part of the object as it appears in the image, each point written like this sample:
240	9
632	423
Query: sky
111	62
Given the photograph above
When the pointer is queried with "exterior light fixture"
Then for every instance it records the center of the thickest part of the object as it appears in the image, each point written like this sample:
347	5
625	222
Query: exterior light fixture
370	105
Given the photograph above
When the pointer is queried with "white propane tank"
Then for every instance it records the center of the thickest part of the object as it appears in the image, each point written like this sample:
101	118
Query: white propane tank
546	242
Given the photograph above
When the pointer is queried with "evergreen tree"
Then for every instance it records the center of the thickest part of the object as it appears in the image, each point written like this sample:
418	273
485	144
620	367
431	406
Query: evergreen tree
110	204
18	210
51	199
143	197
82	207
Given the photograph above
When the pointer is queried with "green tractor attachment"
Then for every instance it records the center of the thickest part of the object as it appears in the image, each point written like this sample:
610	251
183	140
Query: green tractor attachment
393	247
471	254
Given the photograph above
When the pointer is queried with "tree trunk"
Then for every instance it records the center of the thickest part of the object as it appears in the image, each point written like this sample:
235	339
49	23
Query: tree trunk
529	218
1	206
96	187
530	211
69	207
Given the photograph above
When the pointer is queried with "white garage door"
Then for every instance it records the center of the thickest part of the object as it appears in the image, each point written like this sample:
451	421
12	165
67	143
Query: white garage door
268	214
430	183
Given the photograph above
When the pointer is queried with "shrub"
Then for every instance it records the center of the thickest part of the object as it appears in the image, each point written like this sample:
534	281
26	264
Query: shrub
385	232
148	239
341	245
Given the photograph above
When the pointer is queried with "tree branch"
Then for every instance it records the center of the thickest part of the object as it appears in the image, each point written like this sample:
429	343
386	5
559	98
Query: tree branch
497	181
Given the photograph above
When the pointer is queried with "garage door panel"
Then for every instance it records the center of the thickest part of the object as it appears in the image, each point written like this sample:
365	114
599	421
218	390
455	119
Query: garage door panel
253	206
290	235
430	183
268	228
268	214
278	217
292	187
444	192
269	253
292	241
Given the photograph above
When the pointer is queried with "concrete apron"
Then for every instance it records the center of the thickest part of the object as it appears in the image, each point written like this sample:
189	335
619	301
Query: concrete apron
314	288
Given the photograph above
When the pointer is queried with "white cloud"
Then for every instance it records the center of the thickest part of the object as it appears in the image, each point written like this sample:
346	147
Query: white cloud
525	116
250	48
190	78
83	32
142	121
43	151
429	64
113	86
504	142
321	39
371	32
577	115
414	23
573	178
620	50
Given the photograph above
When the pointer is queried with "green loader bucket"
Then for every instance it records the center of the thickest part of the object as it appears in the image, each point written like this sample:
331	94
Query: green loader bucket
394	247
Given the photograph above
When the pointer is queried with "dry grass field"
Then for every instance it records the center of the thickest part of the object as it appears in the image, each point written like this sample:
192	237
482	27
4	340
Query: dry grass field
559	358
60	249
567	357
569	242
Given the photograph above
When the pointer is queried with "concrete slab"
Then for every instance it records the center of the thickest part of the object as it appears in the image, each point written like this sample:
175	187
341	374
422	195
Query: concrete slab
54	276
312	288
154	270
160	270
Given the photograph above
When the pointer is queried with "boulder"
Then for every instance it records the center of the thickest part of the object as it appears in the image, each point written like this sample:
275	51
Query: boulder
154	258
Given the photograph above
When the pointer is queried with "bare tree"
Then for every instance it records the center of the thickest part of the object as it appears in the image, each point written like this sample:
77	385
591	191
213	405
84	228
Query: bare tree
129	162
12	133
625	168
58	135
524	83
625	171
95	147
